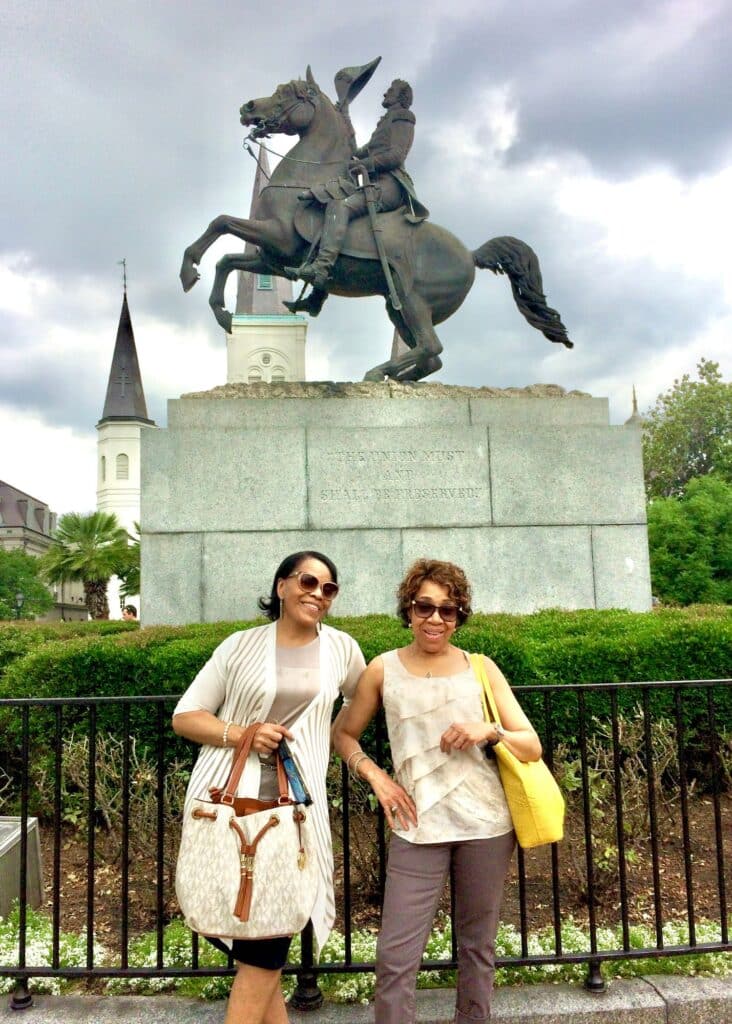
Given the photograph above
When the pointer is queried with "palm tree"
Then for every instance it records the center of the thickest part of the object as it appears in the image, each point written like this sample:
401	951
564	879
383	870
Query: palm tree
129	571
90	549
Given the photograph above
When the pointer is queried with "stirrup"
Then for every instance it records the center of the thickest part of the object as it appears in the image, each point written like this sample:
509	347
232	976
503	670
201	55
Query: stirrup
312	304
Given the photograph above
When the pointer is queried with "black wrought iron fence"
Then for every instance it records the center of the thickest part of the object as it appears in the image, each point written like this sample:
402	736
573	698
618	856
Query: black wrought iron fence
646	768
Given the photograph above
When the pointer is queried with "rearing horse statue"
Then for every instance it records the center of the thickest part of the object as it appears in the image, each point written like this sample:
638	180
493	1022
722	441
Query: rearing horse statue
431	269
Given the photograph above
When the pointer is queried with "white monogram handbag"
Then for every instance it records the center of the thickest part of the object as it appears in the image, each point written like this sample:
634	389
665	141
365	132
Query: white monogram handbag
246	868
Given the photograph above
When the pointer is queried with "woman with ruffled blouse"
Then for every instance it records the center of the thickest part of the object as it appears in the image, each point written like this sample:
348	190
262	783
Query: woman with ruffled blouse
445	805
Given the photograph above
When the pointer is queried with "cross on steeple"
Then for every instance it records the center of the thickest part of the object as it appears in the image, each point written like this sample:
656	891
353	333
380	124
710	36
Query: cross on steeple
122	378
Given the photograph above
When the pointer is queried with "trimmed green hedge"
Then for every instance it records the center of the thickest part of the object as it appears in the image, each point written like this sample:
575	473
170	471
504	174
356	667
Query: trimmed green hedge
132	662
19	638
610	647
115	659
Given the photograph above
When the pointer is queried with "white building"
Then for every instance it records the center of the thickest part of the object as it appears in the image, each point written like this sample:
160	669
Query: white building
26	524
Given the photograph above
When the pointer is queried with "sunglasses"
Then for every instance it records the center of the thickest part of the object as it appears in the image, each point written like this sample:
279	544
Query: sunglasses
425	610
310	584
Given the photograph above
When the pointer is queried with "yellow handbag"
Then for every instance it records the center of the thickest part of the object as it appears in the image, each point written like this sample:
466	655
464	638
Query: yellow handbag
532	794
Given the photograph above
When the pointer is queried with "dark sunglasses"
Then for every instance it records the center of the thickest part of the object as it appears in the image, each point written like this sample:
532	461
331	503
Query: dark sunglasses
310	584
425	610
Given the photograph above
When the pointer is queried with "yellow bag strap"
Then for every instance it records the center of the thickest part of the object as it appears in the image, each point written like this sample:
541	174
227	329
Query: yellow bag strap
486	692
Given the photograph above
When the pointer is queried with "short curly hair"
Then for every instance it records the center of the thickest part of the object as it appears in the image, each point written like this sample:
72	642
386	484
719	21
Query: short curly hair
404	89
446	574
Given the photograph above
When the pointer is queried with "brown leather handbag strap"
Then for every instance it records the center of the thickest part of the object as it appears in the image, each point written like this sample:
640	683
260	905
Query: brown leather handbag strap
238	762
282	781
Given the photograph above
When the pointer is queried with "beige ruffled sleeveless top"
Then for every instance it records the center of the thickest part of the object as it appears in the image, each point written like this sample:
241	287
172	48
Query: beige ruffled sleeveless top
458	795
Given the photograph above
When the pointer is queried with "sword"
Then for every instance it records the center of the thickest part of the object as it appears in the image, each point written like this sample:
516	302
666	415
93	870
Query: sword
369	191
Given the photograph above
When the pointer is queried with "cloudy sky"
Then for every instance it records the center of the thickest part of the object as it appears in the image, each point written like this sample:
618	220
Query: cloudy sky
599	133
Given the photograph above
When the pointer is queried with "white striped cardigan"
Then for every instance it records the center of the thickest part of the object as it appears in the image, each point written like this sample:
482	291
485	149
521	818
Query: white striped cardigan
238	684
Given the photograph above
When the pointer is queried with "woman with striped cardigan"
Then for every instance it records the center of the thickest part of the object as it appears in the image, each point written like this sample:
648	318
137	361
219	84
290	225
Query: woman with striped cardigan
286	675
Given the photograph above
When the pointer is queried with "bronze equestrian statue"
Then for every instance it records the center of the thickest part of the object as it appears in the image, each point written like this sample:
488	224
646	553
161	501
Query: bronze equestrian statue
310	222
383	155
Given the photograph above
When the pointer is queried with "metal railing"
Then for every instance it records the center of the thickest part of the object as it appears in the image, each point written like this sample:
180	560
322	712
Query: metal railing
601	850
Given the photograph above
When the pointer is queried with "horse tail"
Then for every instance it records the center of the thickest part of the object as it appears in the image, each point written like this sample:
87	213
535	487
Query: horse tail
520	263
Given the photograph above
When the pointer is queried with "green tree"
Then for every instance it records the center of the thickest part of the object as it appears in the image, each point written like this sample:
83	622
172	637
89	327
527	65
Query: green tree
690	542
129	570
89	549
19	574
688	433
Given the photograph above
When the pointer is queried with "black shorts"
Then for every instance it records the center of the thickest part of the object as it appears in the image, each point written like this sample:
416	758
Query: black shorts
269	954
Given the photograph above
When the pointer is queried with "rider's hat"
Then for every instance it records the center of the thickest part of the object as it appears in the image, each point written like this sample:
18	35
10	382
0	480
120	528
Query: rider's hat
350	81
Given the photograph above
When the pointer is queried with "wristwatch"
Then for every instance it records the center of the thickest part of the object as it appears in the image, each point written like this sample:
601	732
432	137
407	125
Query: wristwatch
500	733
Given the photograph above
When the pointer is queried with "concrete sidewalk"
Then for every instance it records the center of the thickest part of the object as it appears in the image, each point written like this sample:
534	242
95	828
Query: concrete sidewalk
660	999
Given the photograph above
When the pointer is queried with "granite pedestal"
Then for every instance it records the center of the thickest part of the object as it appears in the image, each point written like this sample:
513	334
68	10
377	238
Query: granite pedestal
530	490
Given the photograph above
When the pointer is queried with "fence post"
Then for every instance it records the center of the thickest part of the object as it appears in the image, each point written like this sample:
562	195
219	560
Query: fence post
594	982
307	994
21	998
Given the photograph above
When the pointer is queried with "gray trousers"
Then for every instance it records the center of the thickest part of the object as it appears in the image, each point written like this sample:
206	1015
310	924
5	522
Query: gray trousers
415	879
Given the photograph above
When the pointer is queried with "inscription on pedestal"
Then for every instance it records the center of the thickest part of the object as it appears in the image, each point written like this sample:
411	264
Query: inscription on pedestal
389	479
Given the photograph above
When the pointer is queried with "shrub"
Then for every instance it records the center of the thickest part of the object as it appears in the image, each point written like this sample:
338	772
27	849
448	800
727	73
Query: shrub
19	638
159	660
555	647
142	796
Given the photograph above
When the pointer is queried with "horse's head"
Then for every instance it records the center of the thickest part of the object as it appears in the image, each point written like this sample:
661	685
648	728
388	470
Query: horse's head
288	111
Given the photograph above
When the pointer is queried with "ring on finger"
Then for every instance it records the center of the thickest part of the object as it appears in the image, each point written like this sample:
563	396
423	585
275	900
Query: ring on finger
394	809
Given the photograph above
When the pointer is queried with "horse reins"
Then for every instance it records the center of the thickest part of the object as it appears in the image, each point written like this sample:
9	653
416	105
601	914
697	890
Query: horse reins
283	156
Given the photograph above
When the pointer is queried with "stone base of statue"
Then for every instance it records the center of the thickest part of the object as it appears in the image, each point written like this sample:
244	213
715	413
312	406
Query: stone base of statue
530	490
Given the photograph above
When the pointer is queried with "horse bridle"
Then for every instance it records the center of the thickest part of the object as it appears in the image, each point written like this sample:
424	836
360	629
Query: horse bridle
273	123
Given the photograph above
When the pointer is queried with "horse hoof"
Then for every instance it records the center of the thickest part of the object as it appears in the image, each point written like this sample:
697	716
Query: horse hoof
188	275
223	318
377	374
419	370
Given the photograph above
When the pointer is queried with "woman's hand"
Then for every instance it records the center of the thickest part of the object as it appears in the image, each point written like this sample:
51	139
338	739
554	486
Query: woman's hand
399	808
463	735
267	737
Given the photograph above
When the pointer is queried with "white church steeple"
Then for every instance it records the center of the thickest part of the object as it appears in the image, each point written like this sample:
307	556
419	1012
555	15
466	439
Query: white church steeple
124	417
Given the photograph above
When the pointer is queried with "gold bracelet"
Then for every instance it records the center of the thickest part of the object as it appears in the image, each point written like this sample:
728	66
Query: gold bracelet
354	753
225	737
362	756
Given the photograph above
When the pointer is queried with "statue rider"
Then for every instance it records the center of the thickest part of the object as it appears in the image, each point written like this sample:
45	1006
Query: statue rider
383	158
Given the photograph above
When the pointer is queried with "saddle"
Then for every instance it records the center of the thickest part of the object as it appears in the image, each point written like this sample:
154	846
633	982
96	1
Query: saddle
397	232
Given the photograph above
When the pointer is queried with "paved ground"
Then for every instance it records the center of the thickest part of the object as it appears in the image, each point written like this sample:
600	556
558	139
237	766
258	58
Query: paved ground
651	1000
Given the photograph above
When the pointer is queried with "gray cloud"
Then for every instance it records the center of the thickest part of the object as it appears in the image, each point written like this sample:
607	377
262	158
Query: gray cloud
584	82
122	139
